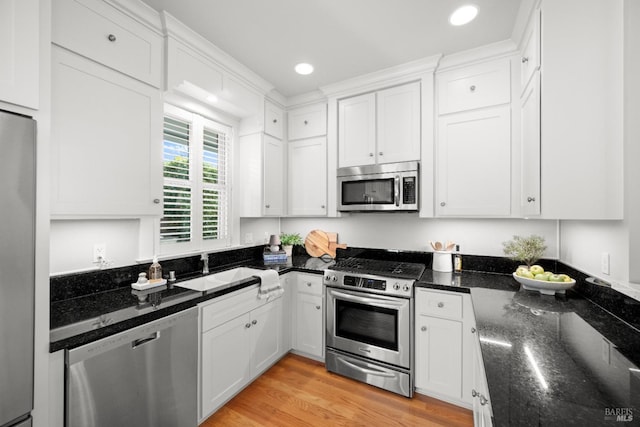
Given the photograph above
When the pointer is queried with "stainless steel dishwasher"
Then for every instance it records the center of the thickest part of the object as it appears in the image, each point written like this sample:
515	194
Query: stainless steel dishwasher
145	376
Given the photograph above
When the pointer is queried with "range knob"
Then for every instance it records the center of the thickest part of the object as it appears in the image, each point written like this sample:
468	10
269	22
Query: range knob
334	279
396	286
406	288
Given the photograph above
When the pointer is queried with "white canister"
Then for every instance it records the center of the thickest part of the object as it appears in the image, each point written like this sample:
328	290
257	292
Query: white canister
442	261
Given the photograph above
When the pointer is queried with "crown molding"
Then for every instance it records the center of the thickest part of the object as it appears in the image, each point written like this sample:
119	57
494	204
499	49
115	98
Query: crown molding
488	52
139	11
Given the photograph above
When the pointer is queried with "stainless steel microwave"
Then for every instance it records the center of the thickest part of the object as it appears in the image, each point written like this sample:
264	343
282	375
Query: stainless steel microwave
385	187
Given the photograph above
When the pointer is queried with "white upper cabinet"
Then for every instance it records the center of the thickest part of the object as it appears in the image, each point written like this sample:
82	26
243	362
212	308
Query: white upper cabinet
380	127
308	177
357	130
20	52
474	163
98	31
273	120
530	51
478	86
307	122
398	114
106	141
274	167
581	120
530	198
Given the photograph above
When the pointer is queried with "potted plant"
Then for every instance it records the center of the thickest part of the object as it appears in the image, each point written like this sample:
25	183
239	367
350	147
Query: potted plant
288	240
526	250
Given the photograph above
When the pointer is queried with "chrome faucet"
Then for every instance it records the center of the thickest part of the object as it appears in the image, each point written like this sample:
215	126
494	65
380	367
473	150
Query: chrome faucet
205	262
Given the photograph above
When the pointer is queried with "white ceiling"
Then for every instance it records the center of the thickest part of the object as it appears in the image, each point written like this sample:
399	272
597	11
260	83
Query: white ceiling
341	38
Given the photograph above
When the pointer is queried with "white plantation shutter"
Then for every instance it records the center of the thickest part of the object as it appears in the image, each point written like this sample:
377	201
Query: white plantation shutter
196	186
175	225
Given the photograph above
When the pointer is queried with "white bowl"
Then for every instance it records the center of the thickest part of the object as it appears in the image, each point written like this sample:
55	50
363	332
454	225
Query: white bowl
543	286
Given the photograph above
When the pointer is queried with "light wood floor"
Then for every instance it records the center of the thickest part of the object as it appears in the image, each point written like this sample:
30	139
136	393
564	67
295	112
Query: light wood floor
299	392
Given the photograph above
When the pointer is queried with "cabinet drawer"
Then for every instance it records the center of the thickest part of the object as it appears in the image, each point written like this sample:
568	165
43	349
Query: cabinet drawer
273	120
441	304
307	122
100	32
310	284
477	86
228	307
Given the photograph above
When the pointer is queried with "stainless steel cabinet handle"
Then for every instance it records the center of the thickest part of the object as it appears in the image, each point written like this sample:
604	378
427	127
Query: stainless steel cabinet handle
472	88
370	154
111	38
321	206
380	153
440	304
473	330
275	120
424	328
531	199
247	325
524	60
318	307
253	322
156	201
309	284
306	122
483	400
474	393
442	204
267	206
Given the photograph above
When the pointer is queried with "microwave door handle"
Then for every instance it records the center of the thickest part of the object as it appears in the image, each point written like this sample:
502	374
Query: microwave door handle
397	190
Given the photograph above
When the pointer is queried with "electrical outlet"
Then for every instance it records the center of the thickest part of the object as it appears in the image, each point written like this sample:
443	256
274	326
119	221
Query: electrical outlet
99	252
604	263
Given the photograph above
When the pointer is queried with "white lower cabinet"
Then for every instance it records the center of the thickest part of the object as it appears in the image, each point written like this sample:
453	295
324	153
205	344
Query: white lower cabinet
443	339
482	413
309	311
241	337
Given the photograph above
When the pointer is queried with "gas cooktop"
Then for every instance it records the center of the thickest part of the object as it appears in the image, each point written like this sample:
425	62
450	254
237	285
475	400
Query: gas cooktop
385	268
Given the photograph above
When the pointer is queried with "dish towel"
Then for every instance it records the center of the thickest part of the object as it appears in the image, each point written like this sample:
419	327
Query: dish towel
270	287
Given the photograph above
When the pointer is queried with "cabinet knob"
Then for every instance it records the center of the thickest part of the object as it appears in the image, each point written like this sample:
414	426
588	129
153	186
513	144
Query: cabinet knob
440	304
483	400
524	60
309	284
275	120
253	322
247	325
424	328
443	204
318	307
111	38
306	122
156	201
267	206
472	88
322	206
370	154
473	330
380	153
531	199
474	393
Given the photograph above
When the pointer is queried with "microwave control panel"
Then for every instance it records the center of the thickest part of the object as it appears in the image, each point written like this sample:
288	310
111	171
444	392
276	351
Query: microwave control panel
409	190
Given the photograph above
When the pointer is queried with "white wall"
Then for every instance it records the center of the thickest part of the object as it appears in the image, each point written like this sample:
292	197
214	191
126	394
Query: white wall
408	232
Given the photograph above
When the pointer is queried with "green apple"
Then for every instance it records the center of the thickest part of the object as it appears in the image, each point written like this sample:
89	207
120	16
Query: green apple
566	278
527	274
536	269
542	276
556	278
521	270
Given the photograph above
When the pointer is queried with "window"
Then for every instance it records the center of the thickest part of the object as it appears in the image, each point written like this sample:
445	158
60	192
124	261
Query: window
196	188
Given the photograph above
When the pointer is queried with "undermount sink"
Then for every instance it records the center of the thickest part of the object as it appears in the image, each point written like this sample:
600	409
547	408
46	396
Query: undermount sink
221	279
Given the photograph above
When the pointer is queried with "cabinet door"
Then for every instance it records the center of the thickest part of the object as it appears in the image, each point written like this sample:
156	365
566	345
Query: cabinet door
106	134
226	362
20	52
439	355
530	153
307	122
398	114
308	177
273	120
266	335
309	324
473	175
273	176
357	130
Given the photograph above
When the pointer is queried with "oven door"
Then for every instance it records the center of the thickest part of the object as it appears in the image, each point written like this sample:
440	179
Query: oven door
377	327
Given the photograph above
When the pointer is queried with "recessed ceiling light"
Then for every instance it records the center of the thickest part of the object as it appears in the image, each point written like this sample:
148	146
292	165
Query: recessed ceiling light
463	15
304	68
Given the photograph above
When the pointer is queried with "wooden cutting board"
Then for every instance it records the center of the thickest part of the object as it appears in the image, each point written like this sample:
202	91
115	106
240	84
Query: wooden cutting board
318	243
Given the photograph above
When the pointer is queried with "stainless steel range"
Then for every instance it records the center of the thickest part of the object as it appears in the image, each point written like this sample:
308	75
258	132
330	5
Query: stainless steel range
369	326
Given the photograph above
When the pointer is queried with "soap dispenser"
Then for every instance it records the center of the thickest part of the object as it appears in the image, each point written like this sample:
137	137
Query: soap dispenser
155	271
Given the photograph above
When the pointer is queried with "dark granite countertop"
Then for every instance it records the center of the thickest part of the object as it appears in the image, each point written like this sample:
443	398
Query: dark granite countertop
550	360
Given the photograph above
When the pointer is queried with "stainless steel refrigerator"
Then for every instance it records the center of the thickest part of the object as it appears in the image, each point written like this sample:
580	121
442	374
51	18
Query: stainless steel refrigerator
17	267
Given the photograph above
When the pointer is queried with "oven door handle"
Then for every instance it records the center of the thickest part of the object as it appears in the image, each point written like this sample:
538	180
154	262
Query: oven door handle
368	370
378	302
